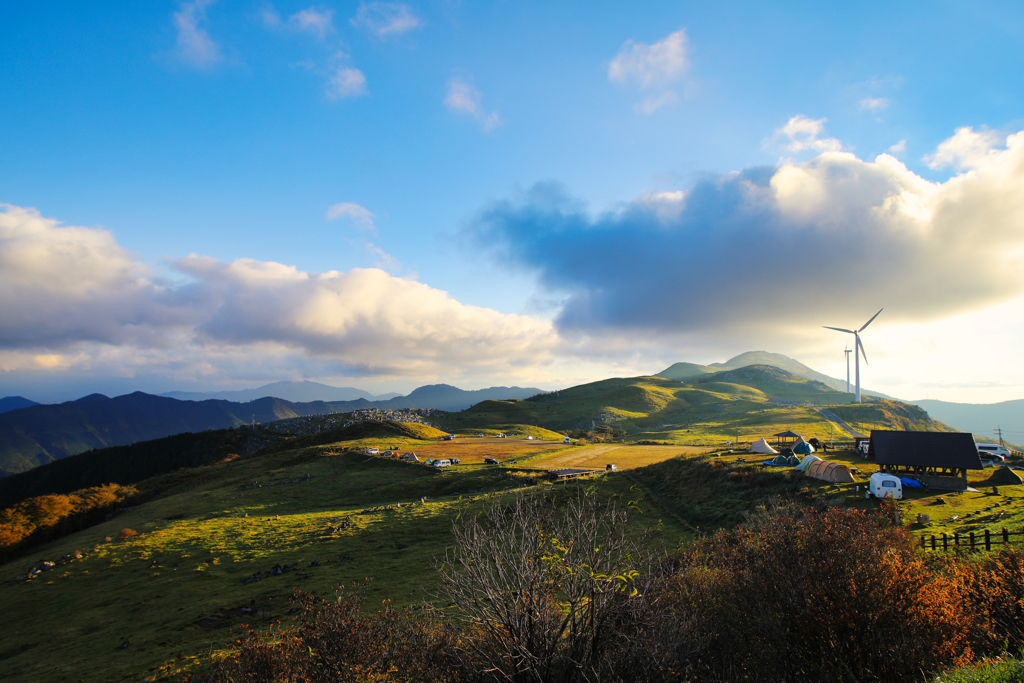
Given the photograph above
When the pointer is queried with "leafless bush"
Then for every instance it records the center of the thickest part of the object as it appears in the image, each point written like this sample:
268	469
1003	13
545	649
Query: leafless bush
555	592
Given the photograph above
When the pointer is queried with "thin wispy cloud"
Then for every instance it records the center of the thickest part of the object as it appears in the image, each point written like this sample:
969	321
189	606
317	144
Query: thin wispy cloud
899	147
463	98
193	45
385	19
652	67
359	215
802	133
312	21
873	104
345	81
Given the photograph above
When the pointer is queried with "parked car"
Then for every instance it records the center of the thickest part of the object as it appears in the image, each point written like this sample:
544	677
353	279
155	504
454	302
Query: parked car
490	461
442	463
993	451
455	461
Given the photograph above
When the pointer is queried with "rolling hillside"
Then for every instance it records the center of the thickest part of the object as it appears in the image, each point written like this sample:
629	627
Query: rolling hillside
687	371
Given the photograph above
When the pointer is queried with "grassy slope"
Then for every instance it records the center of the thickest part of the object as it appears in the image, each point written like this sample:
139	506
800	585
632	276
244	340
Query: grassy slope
211	530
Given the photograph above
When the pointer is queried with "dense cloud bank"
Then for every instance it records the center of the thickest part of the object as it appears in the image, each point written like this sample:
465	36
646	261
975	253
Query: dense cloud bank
68	286
827	241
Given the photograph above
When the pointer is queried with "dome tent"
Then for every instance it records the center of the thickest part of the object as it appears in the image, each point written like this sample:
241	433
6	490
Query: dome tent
803	448
761	446
806	462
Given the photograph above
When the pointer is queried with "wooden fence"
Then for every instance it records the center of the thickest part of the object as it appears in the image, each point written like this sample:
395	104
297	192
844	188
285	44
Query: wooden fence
971	540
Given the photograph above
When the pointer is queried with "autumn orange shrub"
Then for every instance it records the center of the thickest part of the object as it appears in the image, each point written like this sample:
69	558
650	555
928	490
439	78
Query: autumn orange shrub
41	518
836	595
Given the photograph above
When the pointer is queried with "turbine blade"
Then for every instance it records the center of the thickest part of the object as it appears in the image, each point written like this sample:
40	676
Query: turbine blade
838	329
862	351
872	319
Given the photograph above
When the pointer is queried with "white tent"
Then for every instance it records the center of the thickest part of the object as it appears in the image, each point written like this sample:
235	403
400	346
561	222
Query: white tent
761	446
806	462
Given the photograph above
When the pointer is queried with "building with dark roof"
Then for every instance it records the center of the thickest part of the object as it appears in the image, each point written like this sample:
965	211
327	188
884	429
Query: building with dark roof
936	453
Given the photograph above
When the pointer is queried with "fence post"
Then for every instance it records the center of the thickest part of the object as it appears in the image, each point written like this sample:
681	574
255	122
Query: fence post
945	541
956	539
1006	536
988	540
972	540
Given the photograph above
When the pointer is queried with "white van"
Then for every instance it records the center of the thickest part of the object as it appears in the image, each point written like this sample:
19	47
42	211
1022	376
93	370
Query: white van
566	439
442	463
881	485
993	451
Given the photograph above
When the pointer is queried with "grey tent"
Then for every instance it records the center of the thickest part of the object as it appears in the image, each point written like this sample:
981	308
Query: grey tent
781	460
761	446
1004	475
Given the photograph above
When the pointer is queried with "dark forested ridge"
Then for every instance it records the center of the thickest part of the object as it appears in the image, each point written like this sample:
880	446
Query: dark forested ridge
40	434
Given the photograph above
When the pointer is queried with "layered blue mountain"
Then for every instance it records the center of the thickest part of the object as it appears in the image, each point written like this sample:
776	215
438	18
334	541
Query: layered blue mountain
38	434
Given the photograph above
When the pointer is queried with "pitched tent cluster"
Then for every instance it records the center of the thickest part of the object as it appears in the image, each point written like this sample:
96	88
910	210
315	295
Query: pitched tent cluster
832	472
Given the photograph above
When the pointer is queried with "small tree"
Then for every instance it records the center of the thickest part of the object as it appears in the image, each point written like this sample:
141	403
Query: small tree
548	591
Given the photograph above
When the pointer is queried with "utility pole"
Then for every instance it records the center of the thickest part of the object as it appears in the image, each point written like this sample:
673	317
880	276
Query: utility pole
999	431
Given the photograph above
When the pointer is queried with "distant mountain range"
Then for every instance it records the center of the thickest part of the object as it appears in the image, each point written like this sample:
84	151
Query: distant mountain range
38	434
981	419
299	392
14	402
687	371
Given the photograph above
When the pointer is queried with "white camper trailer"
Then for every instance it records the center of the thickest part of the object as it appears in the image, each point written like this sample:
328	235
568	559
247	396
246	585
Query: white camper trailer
881	485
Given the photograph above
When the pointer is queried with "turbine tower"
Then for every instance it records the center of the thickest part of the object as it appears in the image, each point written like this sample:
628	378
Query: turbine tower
847	352
857	346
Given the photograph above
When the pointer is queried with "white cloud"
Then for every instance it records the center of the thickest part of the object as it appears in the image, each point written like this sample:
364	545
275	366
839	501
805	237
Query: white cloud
650	65
316	22
899	147
462	97
801	133
312	21
853	236
194	45
873	104
386	18
359	215
967	148
346	81
71	298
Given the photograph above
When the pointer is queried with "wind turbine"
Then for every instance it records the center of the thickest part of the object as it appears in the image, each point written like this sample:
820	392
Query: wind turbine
847	352
857	346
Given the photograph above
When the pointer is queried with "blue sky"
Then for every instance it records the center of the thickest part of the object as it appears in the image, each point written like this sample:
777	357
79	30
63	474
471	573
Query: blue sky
208	195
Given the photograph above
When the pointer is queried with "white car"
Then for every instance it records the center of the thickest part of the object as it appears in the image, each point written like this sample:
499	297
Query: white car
993	451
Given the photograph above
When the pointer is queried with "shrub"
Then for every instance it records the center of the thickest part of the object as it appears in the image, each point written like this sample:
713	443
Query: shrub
127	533
835	595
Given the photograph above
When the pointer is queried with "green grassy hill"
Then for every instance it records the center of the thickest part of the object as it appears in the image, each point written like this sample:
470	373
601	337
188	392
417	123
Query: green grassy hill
710	408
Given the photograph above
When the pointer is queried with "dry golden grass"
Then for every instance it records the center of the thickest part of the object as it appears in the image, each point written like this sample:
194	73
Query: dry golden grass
473	450
625	457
